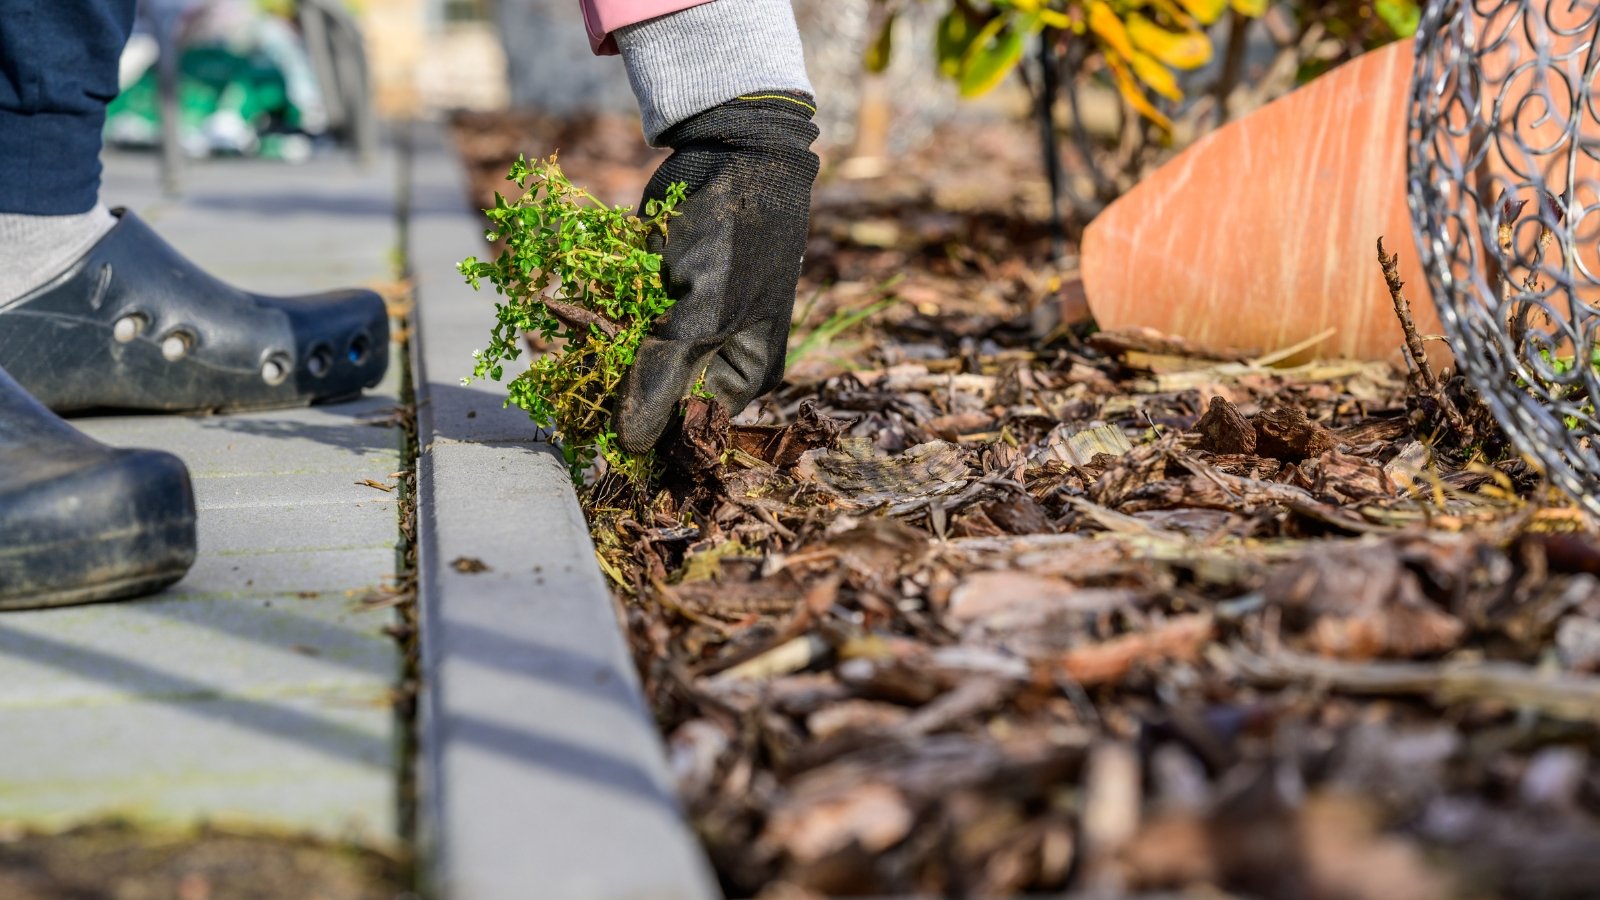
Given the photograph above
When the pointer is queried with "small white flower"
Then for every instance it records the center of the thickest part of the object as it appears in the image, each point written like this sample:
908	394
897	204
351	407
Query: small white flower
477	353
466	382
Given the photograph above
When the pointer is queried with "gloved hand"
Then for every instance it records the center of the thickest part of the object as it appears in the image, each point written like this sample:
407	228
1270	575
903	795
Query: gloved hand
731	260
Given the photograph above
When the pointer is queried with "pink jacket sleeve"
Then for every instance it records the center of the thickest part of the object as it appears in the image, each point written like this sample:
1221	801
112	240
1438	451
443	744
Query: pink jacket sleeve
606	16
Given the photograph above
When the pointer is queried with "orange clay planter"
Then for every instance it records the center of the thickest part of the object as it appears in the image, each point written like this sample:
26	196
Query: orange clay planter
1261	235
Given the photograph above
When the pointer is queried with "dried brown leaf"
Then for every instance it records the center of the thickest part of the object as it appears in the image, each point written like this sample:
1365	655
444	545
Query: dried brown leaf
862	474
1360	601
1007	600
781	446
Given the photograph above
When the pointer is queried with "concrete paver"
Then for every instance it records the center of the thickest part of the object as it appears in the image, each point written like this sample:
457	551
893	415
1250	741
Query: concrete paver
275	644
306	523
284	572
257	690
296	762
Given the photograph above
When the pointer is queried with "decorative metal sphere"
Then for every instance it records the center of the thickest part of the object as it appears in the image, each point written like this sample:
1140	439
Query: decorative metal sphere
1503	168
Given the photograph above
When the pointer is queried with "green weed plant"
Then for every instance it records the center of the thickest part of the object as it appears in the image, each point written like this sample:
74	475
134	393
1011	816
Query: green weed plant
576	271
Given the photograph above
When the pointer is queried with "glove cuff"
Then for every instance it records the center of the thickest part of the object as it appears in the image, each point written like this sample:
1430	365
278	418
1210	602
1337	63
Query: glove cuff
690	61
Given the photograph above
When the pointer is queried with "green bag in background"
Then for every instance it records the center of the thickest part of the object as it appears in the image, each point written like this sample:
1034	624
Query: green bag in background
245	88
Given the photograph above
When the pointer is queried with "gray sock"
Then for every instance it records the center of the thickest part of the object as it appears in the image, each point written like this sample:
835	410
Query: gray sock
687	62
35	249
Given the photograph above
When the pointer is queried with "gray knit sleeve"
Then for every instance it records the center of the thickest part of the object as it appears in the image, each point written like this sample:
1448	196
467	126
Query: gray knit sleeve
687	62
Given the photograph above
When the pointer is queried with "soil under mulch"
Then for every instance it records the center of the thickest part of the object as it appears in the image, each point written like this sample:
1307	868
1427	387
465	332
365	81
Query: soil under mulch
116	862
961	611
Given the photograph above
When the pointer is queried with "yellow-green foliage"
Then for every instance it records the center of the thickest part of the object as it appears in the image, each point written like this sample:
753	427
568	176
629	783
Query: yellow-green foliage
1142	42
577	271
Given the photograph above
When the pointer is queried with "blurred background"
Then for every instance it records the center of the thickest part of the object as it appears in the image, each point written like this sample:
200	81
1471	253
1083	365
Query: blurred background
1122	86
959	137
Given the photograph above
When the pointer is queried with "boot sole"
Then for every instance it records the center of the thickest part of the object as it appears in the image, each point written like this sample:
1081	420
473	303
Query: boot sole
119	589
120	526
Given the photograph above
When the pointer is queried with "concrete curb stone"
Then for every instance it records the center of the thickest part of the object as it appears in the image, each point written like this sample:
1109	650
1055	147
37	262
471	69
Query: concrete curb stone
543	774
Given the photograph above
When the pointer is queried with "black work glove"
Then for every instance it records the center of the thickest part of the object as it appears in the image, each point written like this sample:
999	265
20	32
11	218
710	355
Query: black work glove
731	260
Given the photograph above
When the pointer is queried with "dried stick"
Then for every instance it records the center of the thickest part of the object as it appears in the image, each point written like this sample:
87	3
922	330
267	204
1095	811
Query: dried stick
1531	284
1138	339
1390	263
577	318
1571	698
1232	67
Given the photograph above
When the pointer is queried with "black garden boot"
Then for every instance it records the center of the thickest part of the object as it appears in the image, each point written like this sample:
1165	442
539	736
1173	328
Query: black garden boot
80	521
134	325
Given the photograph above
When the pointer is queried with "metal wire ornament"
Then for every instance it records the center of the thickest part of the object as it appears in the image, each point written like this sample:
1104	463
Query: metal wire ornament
1503	165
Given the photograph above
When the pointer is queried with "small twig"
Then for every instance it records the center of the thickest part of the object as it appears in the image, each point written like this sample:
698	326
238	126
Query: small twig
1153	426
1049	92
1390	263
1137	339
1105	188
1572	698
1551	208
1508	211
790	656
766	516
1232	66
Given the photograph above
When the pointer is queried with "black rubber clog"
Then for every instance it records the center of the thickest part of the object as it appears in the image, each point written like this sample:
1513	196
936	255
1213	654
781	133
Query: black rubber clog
135	325
82	522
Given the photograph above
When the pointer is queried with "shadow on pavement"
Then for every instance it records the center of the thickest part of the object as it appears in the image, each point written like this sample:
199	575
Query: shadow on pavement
476	414
549	663
282	629
369	424
198	698
602	769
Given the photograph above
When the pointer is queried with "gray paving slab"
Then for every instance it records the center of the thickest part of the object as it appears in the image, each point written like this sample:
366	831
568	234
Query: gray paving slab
213	647
323	572
298	763
296	489
543	772
332	210
306	524
315	439
257	690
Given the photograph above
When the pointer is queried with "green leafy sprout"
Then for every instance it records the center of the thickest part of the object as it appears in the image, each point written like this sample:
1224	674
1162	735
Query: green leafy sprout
578	271
1561	365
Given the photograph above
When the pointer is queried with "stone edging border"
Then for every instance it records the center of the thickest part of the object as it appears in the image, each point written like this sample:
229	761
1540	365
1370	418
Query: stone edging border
542	771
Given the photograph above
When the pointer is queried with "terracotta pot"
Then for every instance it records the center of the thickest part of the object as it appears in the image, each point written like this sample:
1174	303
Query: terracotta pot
1262	234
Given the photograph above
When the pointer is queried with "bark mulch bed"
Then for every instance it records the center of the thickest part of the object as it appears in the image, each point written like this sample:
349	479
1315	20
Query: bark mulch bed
972	610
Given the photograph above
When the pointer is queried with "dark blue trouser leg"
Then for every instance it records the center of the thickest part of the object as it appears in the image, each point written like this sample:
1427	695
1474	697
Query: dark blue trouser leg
58	70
